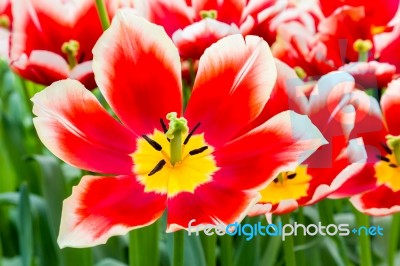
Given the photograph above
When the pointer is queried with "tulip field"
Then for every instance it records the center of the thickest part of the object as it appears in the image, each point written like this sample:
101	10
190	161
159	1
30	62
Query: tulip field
199	132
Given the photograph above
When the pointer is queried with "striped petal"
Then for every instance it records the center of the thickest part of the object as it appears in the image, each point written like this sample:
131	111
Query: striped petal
211	203
390	103
137	68
280	144
101	207
233	83
76	128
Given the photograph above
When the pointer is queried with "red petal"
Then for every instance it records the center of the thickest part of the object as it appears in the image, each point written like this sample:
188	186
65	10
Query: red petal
287	94
228	11
42	67
101	207
280	144
390	103
233	83
369	122
137	68
211	203
84	73
172	15
380	16
378	202
76	128
194	39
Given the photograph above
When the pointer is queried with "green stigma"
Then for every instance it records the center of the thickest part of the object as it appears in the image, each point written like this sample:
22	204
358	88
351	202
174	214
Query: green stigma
394	144
177	127
209	14
300	72
4	21
71	49
362	47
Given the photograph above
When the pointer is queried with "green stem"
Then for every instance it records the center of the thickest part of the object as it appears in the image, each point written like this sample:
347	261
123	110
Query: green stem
226	250
394	239
102	11
134	250
288	244
326	215
364	240
179	241
209	246
144	245
301	239
1	253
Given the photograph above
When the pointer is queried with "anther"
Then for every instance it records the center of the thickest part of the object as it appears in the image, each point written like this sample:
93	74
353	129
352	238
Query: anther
190	134
382	158
157	168
276	180
199	150
291	176
386	148
153	143
164	126
393	165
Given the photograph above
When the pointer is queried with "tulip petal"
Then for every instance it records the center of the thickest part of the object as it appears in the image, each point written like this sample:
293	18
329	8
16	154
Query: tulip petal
101	207
42	67
390	103
227	11
211	203
233	83
378	202
280	144
137	68
172	15
77	129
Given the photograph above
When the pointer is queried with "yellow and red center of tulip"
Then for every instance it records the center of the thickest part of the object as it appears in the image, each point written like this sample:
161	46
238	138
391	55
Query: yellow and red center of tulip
154	169
287	186
387	171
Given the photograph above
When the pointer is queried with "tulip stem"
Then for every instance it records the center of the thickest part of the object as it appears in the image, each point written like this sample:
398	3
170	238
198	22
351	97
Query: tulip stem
102	11
363	239
288	244
179	241
394	239
226	250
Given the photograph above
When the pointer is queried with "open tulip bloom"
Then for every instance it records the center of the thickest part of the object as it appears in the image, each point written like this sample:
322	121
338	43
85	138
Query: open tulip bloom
329	105
197	163
381	173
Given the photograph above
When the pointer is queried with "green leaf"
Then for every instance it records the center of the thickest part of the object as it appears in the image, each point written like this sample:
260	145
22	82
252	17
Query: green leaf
25	226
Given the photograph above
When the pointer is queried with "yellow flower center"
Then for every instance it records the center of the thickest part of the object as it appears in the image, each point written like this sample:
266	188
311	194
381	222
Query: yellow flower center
288	185
387	171
195	168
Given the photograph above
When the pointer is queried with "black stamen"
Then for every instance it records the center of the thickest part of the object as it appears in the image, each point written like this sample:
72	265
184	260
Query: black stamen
276	180
386	148
157	168
382	158
291	176
393	165
191	133
199	150
164	126
153	143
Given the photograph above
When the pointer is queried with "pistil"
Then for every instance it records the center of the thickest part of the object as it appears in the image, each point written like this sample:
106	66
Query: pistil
71	49
394	144
362	47
209	14
177	127
5	22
